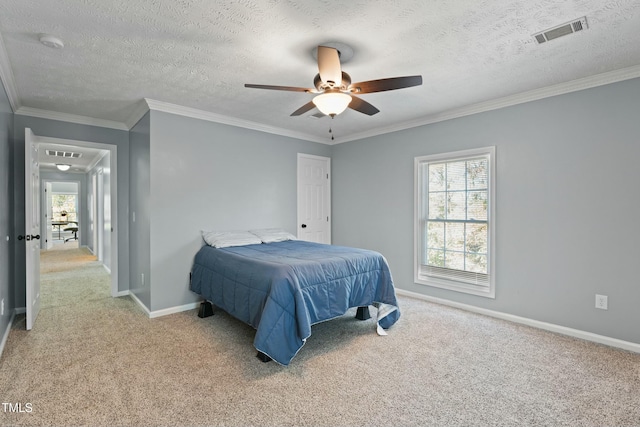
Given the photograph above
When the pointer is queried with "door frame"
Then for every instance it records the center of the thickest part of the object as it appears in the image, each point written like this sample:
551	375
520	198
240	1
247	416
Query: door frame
113	196
44	215
99	218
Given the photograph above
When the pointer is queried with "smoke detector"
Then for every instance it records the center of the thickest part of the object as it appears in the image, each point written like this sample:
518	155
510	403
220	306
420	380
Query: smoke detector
574	26
51	41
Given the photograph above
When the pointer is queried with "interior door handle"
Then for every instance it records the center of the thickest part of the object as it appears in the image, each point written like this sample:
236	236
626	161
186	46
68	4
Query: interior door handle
304	225
29	237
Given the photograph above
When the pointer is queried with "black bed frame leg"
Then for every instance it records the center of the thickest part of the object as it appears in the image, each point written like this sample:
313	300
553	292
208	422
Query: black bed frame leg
206	309
263	357
363	313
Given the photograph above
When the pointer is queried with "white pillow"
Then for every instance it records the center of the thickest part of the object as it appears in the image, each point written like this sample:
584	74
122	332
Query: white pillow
270	235
225	239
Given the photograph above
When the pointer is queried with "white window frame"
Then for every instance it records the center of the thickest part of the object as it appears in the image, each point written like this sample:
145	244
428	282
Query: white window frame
446	283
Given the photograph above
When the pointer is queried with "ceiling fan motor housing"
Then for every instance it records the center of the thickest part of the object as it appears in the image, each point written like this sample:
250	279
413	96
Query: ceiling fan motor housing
321	86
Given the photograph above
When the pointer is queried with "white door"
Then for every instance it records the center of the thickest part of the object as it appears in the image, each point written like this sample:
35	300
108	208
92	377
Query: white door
32	226
314	198
48	215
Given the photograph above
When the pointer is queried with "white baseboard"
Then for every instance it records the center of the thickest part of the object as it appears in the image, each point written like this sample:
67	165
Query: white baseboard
122	294
576	333
164	311
20	310
106	268
137	300
173	310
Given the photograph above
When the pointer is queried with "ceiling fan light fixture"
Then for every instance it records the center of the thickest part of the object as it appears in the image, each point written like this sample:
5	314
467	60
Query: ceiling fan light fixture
332	103
63	167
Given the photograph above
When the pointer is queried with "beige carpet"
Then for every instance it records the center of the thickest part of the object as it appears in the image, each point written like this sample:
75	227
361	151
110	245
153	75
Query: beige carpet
94	360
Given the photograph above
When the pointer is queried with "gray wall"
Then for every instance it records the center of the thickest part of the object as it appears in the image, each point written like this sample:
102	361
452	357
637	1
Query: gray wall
139	193
6	214
58	129
567	204
209	176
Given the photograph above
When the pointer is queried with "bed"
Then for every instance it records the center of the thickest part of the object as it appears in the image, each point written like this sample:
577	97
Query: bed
282	288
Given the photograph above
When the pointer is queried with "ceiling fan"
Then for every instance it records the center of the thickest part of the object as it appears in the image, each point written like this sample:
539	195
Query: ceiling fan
335	90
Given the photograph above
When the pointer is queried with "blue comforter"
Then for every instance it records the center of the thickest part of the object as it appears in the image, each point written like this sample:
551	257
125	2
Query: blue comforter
283	288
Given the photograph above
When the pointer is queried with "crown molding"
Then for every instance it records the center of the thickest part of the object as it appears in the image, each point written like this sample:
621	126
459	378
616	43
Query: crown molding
71	118
141	109
508	101
227	120
6	76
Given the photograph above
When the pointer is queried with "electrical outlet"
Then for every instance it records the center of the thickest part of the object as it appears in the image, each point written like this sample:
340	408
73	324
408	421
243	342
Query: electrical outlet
601	302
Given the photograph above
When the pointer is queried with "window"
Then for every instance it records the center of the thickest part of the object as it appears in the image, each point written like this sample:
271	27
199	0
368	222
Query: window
64	207
454	221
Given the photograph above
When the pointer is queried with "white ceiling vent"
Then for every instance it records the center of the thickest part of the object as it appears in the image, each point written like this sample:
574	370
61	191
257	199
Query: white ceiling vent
562	30
65	154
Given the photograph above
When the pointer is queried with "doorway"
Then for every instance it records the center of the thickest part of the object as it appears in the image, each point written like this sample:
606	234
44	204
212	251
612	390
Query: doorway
93	167
61	214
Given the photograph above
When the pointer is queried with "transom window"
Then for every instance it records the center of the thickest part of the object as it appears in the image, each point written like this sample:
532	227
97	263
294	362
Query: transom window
454	221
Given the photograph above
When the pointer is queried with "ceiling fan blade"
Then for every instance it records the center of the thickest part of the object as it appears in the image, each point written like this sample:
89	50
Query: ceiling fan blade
306	107
382	85
362	106
319	114
289	88
329	66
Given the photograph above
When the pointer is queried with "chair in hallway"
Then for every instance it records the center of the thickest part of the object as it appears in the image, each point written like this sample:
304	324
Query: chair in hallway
73	227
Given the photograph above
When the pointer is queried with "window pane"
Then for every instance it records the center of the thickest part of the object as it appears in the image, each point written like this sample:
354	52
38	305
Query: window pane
456	205
63	207
454	260
454	235
456	176
477	205
477	238
476	263
435	258
437	205
477	175
436	177
435	235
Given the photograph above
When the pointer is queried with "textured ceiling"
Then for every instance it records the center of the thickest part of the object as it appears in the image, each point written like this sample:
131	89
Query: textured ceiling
199	53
